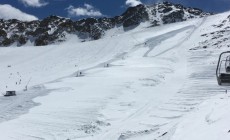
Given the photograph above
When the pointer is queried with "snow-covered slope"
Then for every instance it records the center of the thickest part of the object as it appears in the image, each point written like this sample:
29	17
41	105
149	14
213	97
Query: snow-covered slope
159	84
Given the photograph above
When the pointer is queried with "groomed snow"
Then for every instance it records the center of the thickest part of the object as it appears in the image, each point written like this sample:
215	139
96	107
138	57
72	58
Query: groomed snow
155	87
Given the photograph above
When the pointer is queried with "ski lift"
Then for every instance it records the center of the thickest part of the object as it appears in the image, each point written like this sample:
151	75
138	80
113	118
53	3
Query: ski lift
10	93
223	72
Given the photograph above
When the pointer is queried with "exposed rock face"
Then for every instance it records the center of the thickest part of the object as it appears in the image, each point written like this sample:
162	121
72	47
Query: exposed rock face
217	38
165	13
134	16
54	29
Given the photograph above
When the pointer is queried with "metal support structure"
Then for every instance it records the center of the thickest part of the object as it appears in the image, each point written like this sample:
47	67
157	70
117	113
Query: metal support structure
223	77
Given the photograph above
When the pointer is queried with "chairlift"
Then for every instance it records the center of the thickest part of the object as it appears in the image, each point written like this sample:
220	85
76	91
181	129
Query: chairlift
223	69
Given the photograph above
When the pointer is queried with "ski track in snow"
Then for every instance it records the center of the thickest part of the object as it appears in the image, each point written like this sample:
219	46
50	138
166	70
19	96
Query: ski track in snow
157	40
143	94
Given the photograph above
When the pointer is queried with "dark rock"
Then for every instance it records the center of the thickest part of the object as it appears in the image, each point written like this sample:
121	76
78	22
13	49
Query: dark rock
22	40
173	17
134	16
7	42
167	9
45	39
229	18
3	33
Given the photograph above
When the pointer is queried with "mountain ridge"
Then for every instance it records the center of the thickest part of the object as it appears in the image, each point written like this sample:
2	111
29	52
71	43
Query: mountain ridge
55	29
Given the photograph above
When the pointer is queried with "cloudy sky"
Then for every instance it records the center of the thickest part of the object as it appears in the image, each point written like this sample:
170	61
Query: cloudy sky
76	9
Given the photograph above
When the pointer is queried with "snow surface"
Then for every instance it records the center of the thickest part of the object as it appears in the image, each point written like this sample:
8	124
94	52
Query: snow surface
155	87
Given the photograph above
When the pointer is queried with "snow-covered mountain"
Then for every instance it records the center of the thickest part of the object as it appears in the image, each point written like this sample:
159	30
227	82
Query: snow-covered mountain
55	29
148	83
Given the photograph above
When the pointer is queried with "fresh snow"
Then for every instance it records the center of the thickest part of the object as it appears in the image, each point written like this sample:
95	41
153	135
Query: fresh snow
155	87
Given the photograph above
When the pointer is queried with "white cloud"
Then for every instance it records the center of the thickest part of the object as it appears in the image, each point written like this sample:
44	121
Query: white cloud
88	6
9	12
34	3
133	3
87	10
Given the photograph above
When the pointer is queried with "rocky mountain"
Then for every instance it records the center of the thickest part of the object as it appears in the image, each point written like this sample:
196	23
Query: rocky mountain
54	29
